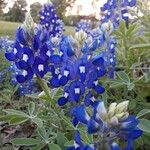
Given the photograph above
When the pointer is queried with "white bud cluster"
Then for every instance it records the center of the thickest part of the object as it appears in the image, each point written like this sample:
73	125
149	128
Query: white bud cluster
114	114
81	36
118	112
107	27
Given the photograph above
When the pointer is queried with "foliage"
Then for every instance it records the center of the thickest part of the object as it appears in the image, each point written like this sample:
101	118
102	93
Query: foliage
34	10
50	126
19	7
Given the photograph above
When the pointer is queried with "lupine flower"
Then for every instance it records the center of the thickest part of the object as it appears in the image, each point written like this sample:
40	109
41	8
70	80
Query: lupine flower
112	123
116	10
83	25
109	54
30	52
27	88
50	20
78	144
77	69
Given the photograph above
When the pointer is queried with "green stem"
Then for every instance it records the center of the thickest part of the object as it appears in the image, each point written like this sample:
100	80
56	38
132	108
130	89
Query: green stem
45	88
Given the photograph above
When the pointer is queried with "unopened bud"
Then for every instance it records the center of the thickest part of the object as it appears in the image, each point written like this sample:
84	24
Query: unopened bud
107	27
122	107
111	109
81	36
114	121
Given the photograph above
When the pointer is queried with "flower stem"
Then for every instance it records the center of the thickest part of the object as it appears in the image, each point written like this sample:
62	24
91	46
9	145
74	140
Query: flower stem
45	88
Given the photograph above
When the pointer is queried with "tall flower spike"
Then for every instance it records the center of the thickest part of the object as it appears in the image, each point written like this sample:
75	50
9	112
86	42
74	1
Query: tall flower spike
50	20
76	70
31	51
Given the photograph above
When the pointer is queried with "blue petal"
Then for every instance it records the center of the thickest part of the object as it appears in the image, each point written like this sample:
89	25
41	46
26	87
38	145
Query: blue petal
93	126
54	82
78	138
63	80
20	35
62	101
130	123
98	61
20	78
114	146
80	113
71	148
75	121
22	65
55	59
99	89
10	56
88	99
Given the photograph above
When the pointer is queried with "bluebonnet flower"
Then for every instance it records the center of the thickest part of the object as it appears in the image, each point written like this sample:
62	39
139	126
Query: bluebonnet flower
78	144
114	123
31	52
116	10
6	43
76	69
50	20
84	25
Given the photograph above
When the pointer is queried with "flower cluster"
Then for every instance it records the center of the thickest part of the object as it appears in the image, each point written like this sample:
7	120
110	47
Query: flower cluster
109	124
77	68
115	10
30	53
84	25
50	20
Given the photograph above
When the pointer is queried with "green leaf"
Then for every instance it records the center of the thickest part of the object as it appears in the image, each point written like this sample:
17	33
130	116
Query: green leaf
143	112
37	121
144	125
25	141
130	86
140	46
17	120
84	136
16	112
31	108
61	140
67	121
69	143
43	134
7	117
123	27
54	147
39	146
123	76
131	28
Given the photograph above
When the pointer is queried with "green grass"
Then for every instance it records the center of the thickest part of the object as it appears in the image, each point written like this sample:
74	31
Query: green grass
9	28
